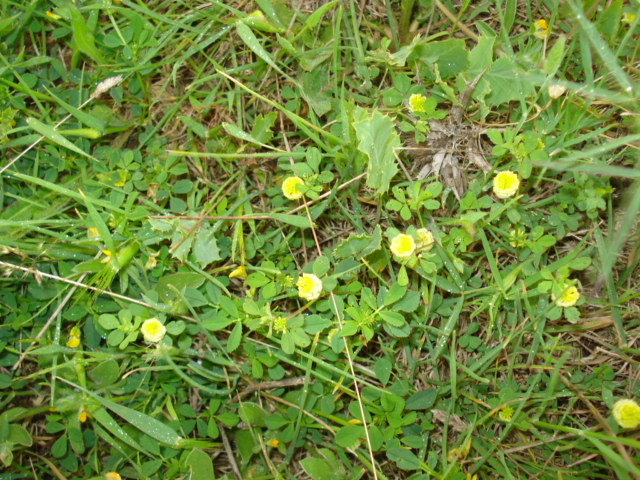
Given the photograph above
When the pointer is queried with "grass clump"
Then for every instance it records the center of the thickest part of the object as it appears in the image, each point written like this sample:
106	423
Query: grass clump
319	240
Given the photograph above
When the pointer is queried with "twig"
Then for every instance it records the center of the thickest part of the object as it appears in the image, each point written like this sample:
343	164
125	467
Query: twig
229	451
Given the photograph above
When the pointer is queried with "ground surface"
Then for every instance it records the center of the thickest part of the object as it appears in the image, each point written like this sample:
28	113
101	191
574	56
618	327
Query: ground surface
449	291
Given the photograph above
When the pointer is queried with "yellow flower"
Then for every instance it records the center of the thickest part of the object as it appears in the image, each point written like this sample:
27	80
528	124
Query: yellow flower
152	330
52	15
280	325
416	102
541	29
112	476
628	18
150	263
626	413
74	338
505	184
309	286
403	245
92	232
239	272
461	452
425	239
274	442
83	415
569	297
290	188
505	413
122	179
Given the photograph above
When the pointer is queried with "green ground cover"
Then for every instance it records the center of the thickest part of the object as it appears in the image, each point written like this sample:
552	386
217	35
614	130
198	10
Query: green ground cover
326	240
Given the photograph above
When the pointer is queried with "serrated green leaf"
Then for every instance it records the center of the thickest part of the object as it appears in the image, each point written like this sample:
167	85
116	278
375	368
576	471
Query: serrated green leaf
377	139
205	247
262	126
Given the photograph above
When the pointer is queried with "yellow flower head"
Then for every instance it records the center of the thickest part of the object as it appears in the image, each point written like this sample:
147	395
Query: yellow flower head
274	442
416	102
505	413
626	413
569	297
309	286
403	245
52	15
290	188
239	272
83	415
74	338
628	18
152	330
425	239
92	232
280	324
505	184
112	476
541	29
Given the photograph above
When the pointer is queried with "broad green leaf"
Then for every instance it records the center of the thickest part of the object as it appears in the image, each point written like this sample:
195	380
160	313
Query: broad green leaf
349	436
377	139
395	293
450	55
82	36
262	126
234	339
403	458
394	319
200	465
358	246
19	434
422	400
205	247
318	469
554	57
508	82
106	373
108	321
314	89
252	414
382	369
